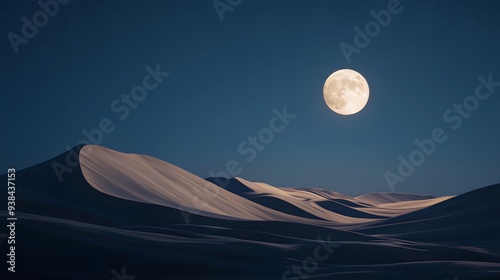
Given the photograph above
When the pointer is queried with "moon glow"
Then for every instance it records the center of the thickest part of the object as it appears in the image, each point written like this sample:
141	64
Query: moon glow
346	92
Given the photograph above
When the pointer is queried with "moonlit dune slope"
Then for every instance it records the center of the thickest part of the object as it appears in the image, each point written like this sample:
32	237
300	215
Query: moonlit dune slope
149	180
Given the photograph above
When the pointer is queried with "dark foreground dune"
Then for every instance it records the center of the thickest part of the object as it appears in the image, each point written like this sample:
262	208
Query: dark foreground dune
122	216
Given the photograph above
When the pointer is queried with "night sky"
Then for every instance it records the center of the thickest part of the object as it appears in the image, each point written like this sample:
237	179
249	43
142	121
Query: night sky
226	77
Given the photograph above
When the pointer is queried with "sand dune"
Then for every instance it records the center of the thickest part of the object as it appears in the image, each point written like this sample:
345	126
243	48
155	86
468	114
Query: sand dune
381	198
122	210
149	180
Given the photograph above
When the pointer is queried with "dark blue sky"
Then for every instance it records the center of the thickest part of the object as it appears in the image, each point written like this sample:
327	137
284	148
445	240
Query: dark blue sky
227	76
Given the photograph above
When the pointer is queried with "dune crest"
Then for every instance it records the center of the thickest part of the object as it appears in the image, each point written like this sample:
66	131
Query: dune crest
149	180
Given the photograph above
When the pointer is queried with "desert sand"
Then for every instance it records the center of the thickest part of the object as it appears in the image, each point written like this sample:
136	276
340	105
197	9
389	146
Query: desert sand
159	221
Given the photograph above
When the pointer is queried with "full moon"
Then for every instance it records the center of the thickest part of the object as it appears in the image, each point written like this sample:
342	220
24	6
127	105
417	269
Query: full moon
346	92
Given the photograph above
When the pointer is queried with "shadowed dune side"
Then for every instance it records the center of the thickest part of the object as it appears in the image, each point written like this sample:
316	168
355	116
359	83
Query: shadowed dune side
231	184
482	198
264	250
468	219
282	206
334	206
351	203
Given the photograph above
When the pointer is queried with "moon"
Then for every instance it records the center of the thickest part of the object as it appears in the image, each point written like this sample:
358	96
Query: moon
346	92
